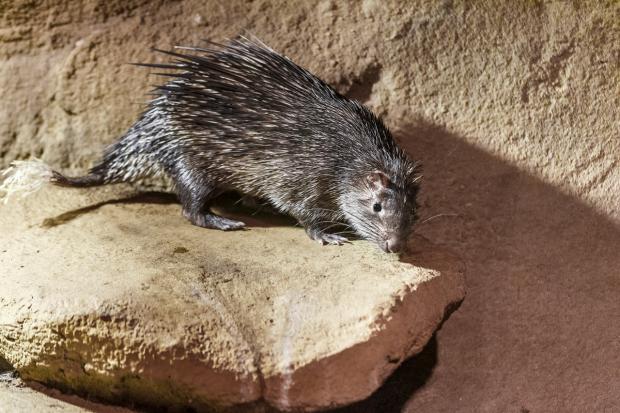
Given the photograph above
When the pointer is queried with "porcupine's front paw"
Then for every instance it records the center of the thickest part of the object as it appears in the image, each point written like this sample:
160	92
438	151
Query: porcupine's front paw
325	238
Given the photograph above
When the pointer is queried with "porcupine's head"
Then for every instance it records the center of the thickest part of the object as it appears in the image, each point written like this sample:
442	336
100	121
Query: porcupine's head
379	198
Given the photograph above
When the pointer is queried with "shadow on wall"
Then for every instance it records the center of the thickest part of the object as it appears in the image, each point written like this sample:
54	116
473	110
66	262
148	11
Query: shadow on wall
398	388
543	288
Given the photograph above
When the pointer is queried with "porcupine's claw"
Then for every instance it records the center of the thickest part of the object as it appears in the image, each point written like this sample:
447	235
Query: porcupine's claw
333	239
325	238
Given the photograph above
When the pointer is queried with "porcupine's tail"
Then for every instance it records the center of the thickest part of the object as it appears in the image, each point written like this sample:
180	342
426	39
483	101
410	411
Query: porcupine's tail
114	168
126	160
92	179
23	178
98	175
122	162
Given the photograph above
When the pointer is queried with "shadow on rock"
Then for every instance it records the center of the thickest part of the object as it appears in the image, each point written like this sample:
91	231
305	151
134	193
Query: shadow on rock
394	393
228	204
142	198
4	366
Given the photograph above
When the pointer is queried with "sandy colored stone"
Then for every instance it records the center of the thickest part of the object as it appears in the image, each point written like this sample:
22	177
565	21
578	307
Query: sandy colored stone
125	300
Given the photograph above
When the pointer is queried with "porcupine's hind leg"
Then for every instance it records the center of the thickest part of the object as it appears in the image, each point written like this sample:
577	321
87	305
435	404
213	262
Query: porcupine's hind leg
195	196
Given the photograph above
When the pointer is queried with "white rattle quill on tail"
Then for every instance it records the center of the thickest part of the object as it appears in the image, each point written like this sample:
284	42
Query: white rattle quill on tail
23	178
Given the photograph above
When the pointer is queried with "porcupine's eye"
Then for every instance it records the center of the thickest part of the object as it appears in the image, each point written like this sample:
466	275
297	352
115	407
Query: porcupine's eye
376	207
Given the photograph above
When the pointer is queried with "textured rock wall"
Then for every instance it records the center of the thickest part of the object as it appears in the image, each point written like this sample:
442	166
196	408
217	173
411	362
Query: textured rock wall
534	83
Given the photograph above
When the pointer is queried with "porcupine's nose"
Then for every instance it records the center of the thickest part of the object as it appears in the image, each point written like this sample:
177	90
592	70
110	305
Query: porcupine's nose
392	245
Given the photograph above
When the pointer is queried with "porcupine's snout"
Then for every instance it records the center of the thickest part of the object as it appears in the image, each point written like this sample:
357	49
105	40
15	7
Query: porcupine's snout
393	244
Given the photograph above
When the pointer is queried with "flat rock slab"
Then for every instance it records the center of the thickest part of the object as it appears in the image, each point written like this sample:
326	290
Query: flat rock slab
119	297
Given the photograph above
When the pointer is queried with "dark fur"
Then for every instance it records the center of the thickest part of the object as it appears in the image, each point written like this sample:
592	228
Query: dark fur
243	117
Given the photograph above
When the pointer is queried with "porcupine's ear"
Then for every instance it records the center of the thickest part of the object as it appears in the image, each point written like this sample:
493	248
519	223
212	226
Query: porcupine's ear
377	180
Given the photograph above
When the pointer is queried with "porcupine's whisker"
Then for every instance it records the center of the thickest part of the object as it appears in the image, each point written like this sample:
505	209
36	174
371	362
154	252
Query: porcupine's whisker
437	216
323	209
332	226
371	229
327	221
345	233
364	226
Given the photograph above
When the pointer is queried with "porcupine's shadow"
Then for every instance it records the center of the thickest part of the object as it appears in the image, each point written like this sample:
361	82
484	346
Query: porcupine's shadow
142	198
228	204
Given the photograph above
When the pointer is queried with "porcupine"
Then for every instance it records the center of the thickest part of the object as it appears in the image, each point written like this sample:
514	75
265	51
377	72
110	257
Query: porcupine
245	118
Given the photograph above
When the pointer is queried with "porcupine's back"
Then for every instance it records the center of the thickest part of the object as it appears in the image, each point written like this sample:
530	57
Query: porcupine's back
254	119
249	119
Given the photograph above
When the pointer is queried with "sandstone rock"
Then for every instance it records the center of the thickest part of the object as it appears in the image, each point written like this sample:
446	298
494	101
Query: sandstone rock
118	297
